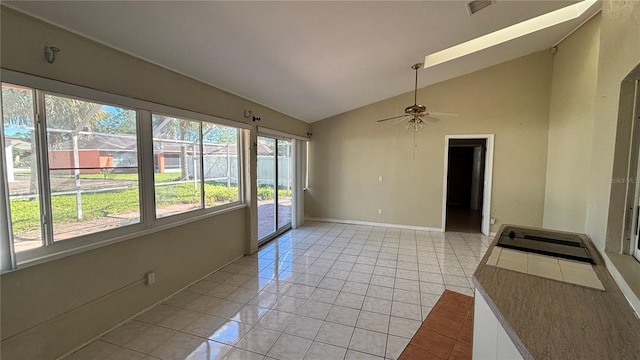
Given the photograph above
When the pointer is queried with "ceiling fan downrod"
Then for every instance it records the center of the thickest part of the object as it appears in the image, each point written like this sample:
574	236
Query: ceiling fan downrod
415	109
415	88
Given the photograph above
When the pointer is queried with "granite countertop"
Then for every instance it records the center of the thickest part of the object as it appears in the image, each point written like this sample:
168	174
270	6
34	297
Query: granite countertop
548	319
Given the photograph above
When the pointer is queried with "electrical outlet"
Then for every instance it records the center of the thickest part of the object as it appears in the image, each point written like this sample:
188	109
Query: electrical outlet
379	211
380	178
492	221
149	278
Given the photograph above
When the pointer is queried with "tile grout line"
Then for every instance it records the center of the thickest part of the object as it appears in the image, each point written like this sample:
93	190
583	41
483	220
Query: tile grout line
394	246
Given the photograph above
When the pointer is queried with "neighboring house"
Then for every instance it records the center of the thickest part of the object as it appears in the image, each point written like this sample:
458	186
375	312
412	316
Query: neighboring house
116	153
96	153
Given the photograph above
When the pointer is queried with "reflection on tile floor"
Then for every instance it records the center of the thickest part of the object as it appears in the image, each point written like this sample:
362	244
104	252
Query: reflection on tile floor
324	291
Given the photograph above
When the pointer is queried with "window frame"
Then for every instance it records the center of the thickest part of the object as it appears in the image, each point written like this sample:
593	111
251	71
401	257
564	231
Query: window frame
148	224
201	184
188	214
44	173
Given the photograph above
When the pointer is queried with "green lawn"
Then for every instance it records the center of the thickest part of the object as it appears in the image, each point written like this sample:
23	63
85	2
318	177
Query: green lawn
25	214
265	192
164	177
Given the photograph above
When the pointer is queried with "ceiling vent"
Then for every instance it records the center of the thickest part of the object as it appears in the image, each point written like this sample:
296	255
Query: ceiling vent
477	5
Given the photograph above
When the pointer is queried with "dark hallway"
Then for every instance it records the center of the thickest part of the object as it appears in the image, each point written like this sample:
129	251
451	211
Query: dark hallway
465	182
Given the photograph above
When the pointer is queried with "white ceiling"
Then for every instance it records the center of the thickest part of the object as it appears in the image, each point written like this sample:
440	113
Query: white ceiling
307	59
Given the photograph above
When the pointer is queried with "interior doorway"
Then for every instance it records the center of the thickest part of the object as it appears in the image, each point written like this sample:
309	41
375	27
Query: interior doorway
467	183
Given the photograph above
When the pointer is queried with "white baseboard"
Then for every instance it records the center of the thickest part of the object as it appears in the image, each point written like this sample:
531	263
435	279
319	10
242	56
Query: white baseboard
371	223
631	297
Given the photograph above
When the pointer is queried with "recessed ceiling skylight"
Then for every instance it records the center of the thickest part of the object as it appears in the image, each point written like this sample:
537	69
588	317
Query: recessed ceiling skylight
509	33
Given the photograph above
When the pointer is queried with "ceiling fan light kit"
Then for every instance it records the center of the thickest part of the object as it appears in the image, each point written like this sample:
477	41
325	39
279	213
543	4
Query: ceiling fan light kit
415	125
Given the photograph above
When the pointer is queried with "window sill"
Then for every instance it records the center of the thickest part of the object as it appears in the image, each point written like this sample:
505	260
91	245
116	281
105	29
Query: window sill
61	250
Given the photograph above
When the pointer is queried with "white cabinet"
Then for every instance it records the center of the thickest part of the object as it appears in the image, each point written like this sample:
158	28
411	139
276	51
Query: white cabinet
490	340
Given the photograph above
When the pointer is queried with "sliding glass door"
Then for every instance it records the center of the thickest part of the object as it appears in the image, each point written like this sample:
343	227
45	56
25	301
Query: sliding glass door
275	185
285	183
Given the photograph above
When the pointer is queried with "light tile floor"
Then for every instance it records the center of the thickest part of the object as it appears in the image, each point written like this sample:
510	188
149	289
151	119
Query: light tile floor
324	291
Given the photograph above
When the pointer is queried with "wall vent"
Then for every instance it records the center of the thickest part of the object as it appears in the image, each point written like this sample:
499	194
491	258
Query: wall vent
477	5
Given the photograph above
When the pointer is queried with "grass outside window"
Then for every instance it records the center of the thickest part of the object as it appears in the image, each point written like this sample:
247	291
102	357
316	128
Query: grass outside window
26	215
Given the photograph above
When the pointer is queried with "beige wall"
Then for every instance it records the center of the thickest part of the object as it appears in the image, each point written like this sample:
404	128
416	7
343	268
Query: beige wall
614	115
49	309
573	92
619	54
349	151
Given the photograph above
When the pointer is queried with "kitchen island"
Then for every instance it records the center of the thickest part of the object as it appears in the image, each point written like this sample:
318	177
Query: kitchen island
518	315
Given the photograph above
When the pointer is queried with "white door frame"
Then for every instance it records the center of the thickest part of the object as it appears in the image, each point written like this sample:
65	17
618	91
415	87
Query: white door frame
488	179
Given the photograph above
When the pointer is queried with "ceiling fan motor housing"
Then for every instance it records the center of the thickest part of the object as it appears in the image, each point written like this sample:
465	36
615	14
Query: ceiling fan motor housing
415	109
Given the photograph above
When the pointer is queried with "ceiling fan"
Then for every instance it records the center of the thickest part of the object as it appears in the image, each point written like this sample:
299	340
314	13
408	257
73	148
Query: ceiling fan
417	115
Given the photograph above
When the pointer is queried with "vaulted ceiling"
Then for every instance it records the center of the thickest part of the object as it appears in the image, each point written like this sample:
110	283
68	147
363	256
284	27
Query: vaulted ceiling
307	59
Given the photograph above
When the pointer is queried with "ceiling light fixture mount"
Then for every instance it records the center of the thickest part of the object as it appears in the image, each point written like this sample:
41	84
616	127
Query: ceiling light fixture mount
248	114
50	53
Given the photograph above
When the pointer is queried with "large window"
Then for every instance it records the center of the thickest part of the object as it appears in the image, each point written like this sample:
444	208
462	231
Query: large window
178	185
92	152
220	164
21	164
80	169
195	165
91	178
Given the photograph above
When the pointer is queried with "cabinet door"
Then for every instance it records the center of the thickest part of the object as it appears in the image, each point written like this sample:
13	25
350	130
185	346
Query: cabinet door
485	330
506	350
490	340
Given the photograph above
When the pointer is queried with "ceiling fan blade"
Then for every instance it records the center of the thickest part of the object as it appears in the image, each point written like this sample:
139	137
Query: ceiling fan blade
391	118
430	118
444	114
402	121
